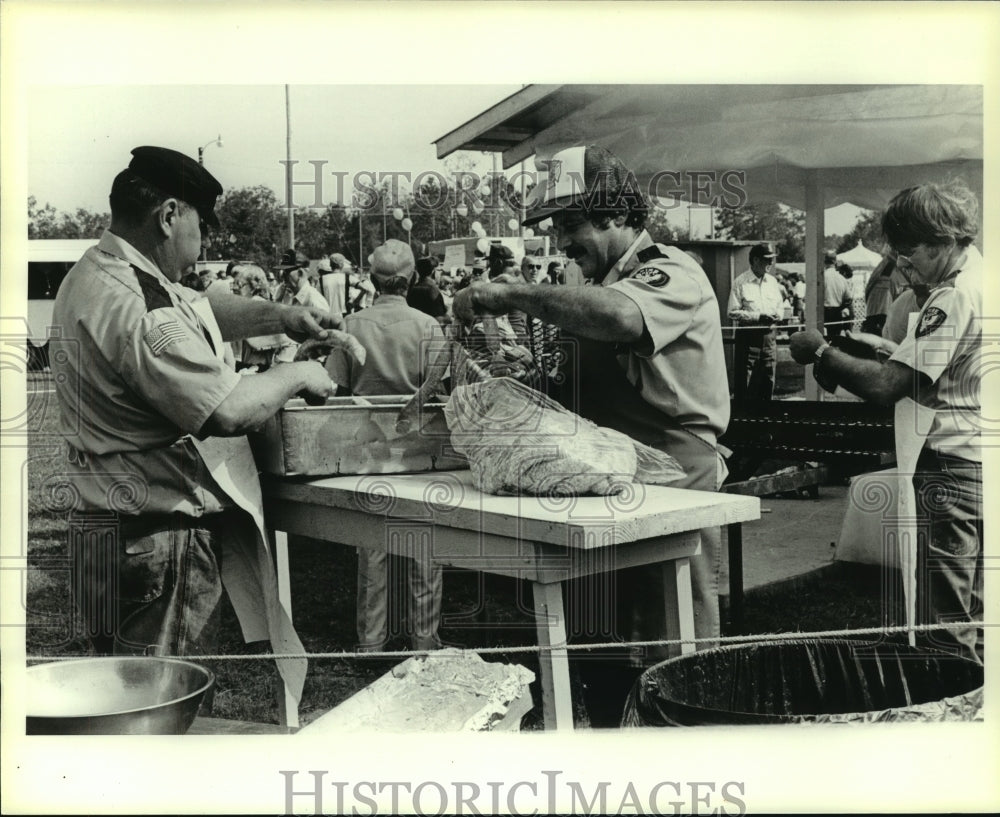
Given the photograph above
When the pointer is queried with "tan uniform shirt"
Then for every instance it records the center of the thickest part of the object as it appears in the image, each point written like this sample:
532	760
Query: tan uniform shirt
135	374
682	369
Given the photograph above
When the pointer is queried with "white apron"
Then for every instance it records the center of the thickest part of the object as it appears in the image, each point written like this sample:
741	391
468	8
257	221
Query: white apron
247	567
912	425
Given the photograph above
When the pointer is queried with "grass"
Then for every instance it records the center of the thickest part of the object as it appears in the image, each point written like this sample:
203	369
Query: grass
478	611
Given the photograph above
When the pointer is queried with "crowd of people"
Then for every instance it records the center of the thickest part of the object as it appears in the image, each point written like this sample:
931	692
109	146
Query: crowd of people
157	395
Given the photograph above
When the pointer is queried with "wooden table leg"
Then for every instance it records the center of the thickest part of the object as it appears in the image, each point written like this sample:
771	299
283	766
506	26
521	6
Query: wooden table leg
550	623
735	538
288	710
679	609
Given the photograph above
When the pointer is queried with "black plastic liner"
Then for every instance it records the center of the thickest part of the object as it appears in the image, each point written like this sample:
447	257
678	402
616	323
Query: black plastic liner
807	681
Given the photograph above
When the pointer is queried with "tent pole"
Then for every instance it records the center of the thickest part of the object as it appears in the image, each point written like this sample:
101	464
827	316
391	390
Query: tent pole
815	230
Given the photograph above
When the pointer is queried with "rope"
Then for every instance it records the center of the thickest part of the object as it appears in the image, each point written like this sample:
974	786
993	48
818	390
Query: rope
537	648
783	326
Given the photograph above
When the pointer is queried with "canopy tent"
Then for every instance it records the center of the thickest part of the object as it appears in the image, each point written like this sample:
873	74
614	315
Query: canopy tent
862	143
809	146
860	257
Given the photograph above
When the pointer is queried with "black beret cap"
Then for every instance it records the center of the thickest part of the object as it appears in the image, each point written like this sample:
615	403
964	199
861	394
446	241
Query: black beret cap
180	176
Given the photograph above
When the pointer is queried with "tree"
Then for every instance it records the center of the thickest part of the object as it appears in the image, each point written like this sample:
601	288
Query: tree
867	229
47	222
769	221
661	230
252	218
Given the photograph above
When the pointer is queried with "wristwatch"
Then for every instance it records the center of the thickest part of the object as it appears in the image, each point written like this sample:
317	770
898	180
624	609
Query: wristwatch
824	380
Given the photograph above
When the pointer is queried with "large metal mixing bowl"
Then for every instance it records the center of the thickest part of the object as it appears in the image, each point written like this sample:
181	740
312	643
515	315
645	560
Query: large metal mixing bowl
137	695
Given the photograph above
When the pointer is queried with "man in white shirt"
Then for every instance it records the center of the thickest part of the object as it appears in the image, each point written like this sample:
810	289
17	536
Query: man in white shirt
334	282
303	293
755	304
836	298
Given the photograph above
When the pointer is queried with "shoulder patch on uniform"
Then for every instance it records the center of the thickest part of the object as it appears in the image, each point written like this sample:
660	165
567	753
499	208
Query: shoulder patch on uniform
651	275
163	335
649	253
152	290
930	320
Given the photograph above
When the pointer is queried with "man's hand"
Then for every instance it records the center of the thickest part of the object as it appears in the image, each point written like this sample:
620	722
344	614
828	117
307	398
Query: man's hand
476	299
333	339
803	346
303	322
316	383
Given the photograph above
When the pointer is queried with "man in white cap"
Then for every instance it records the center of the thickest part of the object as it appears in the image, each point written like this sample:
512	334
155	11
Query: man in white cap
650	360
400	342
755	304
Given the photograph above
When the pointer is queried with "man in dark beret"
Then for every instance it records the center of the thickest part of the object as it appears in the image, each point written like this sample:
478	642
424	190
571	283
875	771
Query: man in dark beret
155	420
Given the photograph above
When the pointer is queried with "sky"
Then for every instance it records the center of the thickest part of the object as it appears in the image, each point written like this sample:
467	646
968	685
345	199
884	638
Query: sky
353	128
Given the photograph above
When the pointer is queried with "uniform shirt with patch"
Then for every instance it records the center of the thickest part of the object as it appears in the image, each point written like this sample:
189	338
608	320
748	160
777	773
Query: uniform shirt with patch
135	372
679	367
944	343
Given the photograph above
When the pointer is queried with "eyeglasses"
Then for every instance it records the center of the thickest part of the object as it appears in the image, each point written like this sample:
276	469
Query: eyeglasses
904	257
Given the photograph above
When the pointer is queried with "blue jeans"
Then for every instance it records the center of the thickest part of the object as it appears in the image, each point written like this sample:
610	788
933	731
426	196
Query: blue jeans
949	495
148	585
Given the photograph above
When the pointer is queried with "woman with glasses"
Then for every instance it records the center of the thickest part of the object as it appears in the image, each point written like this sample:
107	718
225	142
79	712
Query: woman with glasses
933	378
255	354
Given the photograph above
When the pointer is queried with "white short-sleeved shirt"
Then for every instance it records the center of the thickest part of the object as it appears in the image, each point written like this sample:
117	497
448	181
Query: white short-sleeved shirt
835	288
944	342
135	373
310	296
682	372
333	285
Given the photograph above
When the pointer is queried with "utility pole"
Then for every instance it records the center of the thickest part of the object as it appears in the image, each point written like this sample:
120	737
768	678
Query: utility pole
288	170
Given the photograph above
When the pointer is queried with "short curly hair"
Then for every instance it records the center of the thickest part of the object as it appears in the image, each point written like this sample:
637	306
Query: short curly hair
931	214
255	277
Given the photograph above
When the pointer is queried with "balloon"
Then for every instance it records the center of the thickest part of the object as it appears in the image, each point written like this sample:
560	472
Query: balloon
476	226
529	233
512	224
397	213
483	245
486	190
462	210
480	232
407	224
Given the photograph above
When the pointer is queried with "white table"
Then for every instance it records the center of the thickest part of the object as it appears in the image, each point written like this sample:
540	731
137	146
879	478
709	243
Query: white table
543	540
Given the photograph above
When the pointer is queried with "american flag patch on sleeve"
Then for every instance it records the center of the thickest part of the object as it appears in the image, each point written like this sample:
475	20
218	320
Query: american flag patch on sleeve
161	336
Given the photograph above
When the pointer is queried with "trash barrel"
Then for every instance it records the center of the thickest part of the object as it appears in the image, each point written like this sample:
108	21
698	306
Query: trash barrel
807	681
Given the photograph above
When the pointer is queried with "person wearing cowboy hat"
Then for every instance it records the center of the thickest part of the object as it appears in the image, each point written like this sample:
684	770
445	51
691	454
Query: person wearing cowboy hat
400	342
294	269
